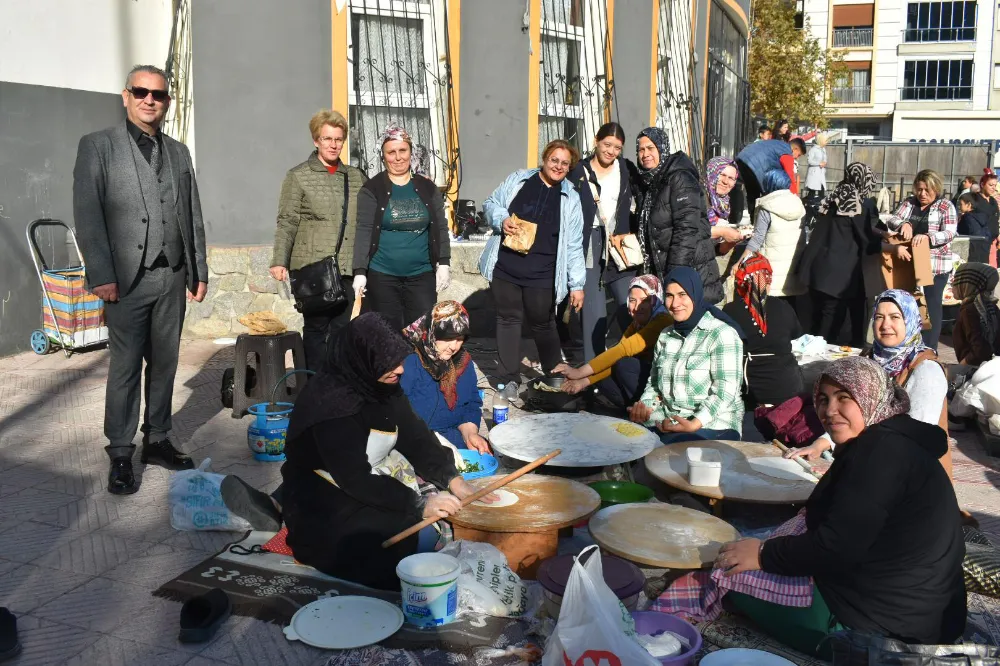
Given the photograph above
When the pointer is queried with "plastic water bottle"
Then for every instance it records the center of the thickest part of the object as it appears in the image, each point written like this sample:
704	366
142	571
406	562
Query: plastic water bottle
500	405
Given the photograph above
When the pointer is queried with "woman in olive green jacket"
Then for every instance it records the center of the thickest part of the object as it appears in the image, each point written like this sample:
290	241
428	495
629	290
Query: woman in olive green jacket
311	211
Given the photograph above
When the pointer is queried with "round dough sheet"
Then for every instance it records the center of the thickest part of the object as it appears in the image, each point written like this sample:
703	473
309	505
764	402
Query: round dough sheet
780	468
507	498
544	503
586	440
661	535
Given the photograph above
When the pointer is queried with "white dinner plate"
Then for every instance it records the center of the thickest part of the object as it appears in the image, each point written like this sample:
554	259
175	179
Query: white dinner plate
743	657
342	623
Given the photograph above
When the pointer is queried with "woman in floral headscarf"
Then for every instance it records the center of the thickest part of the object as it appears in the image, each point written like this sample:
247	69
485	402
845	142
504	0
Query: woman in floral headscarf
831	266
883	543
621	372
720	179
439	377
403	249
900	350
975	337
771	373
673	220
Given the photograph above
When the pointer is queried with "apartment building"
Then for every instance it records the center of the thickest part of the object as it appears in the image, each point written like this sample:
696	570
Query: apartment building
921	71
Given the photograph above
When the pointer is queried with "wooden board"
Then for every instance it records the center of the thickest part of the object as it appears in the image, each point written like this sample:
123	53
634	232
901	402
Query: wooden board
739	481
546	503
661	535
586	440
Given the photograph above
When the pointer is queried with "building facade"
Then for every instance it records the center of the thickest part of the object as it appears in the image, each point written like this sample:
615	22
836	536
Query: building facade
481	85
918	71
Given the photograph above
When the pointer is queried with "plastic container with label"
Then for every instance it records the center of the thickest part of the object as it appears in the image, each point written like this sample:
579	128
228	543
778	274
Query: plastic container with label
429	584
704	466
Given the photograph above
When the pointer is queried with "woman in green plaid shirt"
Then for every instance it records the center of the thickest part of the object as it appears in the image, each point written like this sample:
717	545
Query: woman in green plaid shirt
695	383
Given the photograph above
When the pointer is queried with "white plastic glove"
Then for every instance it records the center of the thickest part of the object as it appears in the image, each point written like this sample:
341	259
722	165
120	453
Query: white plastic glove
359	286
443	277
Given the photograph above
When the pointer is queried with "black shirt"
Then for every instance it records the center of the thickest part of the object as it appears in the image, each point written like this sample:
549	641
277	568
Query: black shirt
143	140
883	542
989	209
535	202
918	218
772	373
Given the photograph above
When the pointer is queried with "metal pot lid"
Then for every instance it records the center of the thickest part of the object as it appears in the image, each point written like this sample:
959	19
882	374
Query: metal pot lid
623	577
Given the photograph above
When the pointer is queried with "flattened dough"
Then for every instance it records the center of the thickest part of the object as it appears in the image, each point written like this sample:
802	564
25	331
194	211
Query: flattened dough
507	498
780	468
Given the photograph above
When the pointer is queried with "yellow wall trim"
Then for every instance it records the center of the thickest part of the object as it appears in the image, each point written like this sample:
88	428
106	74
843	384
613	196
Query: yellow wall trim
338	61
454	55
534	64
654	61
609	74
736	9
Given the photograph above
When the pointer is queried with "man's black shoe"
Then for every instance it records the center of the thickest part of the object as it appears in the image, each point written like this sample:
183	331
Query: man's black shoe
164	454
121	479
10	647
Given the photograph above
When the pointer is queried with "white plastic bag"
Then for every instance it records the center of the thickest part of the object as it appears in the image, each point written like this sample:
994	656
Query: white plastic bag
594	627
486	584
196	502
967	401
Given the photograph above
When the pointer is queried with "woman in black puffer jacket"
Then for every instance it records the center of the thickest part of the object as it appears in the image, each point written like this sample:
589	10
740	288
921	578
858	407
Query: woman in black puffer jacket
673	221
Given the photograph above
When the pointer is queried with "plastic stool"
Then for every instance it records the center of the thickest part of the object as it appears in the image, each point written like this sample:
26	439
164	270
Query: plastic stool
268	361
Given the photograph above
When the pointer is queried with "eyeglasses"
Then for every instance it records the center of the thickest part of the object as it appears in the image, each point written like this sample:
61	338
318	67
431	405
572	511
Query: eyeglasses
330	139
554	162
143	93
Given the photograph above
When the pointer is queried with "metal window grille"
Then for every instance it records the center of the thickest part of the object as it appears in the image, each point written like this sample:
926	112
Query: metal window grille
575	96
677	97
940	22
936	80
852	37
399	67
727	123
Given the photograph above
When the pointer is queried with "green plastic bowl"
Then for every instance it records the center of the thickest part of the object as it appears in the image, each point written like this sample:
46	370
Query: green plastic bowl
621	492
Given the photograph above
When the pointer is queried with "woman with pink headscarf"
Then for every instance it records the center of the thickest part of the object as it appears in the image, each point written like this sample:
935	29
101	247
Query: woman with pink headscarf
720	179
621	372
402	251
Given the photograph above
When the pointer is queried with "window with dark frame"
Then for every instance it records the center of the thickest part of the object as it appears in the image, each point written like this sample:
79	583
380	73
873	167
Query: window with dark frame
936	80
940	22
727	126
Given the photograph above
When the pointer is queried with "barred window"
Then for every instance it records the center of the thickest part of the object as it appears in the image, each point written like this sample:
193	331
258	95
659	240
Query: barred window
937	79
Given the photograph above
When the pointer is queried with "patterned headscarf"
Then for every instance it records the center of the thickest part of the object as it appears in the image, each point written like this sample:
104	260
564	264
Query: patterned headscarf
876	393
395	132
649	284
752	280
895	360
718	204
447	320
975	283
662	143
858	184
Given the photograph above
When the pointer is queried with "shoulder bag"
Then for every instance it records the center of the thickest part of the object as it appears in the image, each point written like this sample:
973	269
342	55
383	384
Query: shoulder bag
319	286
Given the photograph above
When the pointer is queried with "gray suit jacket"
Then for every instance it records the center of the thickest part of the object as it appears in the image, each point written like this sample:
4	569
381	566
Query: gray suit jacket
111	210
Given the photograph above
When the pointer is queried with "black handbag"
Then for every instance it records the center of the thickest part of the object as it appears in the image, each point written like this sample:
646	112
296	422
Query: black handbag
319	286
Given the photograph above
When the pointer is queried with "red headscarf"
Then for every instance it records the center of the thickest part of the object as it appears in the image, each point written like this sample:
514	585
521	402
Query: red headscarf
753	279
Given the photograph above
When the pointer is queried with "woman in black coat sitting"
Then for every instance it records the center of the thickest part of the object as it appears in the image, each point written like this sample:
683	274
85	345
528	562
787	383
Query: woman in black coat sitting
883	543
831	264
354	450
673	219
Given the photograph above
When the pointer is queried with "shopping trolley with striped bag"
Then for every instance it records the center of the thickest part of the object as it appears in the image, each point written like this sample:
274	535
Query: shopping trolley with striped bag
72	317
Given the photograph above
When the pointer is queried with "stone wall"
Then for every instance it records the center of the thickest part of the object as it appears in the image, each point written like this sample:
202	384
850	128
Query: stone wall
239	283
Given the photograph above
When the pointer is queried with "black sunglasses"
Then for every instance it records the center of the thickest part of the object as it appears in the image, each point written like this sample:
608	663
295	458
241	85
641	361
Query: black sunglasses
142	93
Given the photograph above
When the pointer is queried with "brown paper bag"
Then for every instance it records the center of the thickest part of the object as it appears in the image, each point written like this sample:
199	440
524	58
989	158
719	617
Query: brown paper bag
522	240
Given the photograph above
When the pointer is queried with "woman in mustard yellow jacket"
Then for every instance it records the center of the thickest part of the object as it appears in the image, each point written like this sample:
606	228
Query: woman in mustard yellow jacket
621	372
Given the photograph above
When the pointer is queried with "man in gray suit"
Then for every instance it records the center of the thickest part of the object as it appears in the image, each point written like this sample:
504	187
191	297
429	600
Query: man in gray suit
138	222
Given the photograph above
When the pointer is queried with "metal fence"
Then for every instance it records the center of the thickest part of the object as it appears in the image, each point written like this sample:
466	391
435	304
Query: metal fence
851	95
896	164
850	37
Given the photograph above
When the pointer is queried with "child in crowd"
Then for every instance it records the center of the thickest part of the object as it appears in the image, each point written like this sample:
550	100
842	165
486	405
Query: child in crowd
973	223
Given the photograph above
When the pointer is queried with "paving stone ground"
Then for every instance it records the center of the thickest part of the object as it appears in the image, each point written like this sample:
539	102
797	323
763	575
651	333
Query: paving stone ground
78	565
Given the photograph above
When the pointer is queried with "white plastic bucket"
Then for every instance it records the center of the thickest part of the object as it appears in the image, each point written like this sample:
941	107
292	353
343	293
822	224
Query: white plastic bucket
430	588
704	466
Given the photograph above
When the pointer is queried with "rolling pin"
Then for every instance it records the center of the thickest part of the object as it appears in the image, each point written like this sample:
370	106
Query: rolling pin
496	485
805	465
356	310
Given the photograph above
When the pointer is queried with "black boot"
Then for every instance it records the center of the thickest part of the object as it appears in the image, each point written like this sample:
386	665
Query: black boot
121	479
164	454
10	647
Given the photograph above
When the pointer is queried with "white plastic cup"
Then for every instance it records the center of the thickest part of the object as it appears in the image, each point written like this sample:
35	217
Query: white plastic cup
429	583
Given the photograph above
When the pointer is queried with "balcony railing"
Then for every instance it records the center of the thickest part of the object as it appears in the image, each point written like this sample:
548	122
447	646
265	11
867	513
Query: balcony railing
853	95
852	37
920	93
960	34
